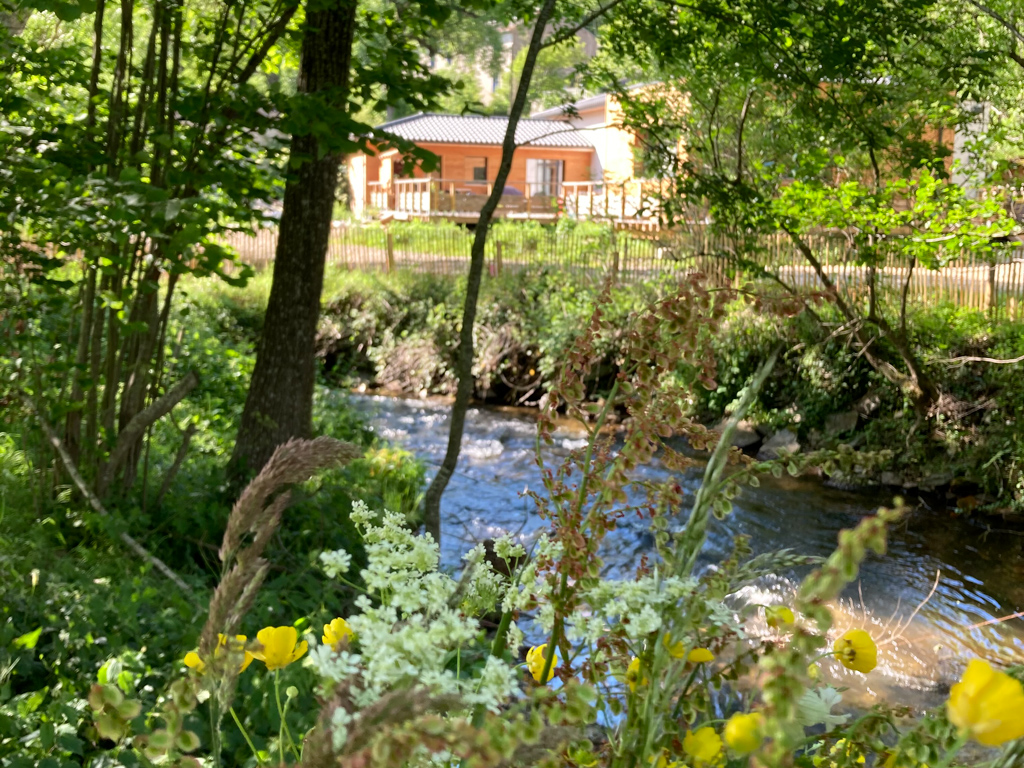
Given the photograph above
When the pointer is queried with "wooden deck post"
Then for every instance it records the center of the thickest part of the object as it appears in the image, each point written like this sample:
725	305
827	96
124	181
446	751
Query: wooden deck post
497	257
528	199
622	216
576	202
591	190
451	189
389	265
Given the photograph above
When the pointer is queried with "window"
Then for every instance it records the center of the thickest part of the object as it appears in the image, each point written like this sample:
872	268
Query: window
544	177
476	167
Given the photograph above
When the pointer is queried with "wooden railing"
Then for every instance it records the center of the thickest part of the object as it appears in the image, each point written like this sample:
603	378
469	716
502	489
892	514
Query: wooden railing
461	199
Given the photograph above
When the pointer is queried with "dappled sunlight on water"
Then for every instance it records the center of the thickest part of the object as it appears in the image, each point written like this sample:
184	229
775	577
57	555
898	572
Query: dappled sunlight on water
982	577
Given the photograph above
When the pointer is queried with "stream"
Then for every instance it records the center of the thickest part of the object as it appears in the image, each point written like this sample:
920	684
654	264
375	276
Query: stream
980	575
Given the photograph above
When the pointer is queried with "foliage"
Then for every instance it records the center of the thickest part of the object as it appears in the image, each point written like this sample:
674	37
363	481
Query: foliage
63	574
648	666
556	78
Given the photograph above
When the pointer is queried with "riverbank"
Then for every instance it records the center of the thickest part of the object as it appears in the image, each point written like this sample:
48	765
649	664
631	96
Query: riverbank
399	333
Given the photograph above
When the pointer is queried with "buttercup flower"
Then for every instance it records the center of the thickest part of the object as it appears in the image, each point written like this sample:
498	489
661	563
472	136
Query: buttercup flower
535	662
193	661
279	646
633	674
857	651
987	704
663	760
704	746
700	656
743	732
778	616
676	650
337	631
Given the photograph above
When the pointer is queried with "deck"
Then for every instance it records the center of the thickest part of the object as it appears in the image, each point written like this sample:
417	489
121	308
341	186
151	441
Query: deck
460	200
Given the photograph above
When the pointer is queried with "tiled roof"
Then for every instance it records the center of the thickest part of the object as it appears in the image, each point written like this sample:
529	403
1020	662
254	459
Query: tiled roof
484	129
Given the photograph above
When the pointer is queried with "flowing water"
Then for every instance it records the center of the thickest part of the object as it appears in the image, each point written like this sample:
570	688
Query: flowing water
980	577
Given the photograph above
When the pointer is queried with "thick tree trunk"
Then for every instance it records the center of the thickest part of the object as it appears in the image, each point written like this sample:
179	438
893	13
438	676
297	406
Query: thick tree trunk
464	392
279	405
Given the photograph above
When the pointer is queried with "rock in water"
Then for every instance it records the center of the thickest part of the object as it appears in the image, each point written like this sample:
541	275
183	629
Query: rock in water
744	436
780	441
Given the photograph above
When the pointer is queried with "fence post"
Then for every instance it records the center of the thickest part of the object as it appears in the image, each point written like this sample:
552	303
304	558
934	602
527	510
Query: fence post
622	216
451	190
497	257
615	267
992	289
389	265
528	198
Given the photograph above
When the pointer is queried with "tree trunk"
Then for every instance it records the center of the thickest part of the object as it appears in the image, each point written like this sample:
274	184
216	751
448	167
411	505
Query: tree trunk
464	392
279	405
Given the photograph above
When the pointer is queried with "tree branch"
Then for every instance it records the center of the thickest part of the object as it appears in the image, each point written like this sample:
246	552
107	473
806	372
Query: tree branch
140	421
1009	25
561	35
179	459
97	505
272	37
995	361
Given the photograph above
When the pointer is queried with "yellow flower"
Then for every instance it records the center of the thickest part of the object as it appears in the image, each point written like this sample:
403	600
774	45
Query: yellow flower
633	674
704	746
337	631
279	646
663	761
857	651
192	660
676	650
700	656
907	762
841	748
813	671
743	732
779	616
536	661
988	704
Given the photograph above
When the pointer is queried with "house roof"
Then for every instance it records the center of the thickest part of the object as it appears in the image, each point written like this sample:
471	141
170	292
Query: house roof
484	129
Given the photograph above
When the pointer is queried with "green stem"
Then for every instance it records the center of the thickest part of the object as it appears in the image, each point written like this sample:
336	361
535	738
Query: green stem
498	646
245	735
280	712
957	746
215	747
556	630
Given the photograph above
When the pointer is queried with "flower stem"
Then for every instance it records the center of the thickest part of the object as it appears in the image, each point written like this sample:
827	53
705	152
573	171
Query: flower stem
957	746
280	712
245	735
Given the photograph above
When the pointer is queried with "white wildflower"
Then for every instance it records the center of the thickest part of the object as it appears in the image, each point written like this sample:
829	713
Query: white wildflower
335	563
331	666
340	718
361	514
643	623
514	638
507	549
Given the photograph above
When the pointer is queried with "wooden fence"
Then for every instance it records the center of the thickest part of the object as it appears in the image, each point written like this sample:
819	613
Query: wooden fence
992	281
